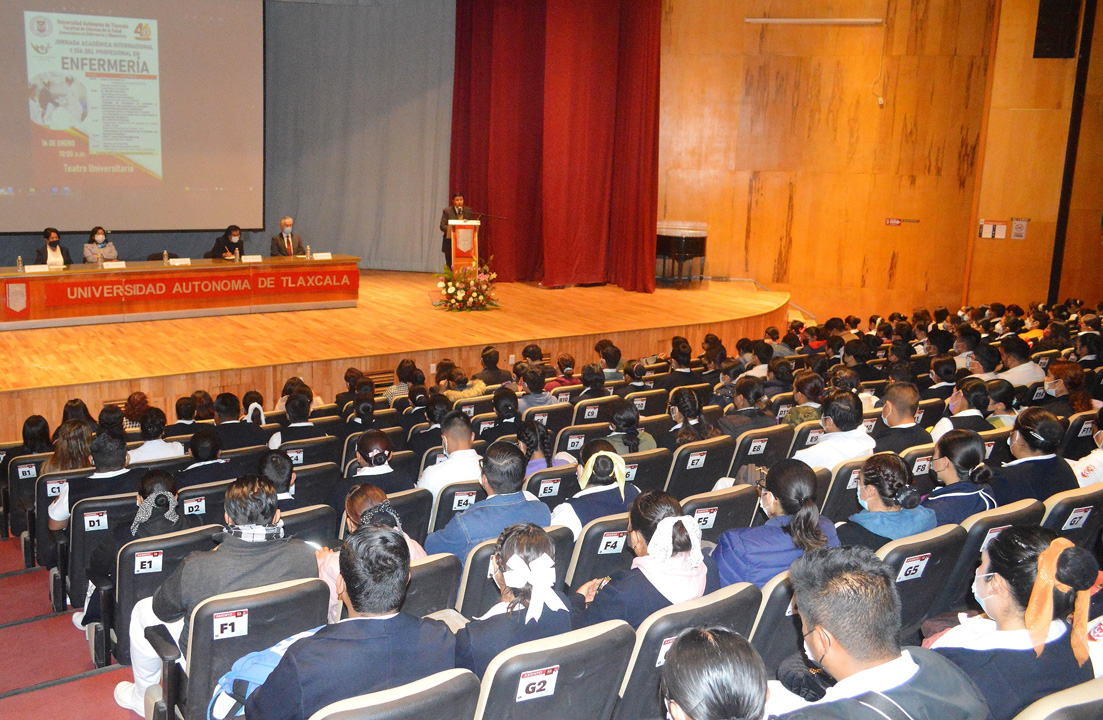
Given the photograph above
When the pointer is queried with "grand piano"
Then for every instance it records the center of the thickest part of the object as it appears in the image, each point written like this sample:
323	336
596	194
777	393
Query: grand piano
679	242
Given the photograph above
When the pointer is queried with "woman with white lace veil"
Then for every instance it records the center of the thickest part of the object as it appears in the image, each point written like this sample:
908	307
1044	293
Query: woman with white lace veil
669	567
530	608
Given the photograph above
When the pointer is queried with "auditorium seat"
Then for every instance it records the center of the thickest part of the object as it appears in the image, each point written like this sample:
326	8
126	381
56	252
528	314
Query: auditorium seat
841	499
996	449
576	674
657	425
474	405
314	483
648	402
698	465
324	411
720	510
805	435
780	405
567	393
918	462
478	592
734	607
922	564
316	523
762	447
482	422
275	612
450	694
414	507
929	412
553	485
1076	515
348	451
553	417
22	473
416	429
571	438
313	450
600	550
247	456
430	457
776	633
455	497
1079	702
203	504
388	418
981	528
43	548
595	410
648	469
434	583
92	519
1078	440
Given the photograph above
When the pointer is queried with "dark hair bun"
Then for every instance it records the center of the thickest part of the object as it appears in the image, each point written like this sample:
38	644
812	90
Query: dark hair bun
161	501
1077	568
380	458
603	466
981	474
907	497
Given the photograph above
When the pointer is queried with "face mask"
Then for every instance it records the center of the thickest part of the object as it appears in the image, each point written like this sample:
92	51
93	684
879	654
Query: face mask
976	595
287	231
54	243
1051	388
862	501
101	238
811	658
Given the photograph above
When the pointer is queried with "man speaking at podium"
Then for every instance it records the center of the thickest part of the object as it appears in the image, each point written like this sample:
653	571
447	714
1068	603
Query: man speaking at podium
286	243
455	211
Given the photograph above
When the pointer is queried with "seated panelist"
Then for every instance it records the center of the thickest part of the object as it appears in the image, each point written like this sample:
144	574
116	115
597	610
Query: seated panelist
227	243
52	253
99	247
286	243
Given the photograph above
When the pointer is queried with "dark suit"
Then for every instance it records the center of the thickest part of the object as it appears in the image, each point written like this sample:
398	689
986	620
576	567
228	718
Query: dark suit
40	255
240	434
179	428
676	379
1036	479
446	242
223	246
898	439
279	245
352	658
216	471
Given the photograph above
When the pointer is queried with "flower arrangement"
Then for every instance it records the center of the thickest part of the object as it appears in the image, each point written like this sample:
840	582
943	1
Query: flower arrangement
467	288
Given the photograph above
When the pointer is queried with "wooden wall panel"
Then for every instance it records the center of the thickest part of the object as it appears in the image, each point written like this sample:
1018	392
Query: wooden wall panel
795	167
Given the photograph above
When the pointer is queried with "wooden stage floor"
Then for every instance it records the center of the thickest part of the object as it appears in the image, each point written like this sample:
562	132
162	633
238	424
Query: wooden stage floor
393	319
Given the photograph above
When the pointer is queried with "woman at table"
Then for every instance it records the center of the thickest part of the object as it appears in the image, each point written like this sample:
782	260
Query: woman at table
227	243
99	247
53	253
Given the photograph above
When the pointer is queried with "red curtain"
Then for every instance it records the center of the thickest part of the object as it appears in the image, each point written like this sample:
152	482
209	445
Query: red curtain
555	128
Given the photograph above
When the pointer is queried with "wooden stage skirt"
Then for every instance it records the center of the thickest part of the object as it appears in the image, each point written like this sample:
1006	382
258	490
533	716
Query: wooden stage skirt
393	319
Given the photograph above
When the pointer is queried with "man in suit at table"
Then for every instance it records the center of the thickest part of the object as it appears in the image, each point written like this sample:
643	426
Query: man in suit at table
286	243
455	211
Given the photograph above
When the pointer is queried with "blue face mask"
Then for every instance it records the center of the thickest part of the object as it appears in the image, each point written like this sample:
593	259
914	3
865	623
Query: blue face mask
862	501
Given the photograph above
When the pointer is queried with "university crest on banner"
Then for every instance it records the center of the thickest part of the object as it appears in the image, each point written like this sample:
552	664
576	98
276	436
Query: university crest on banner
17	297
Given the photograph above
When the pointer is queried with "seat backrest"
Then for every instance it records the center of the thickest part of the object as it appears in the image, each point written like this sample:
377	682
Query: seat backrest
478	591
568	392
414	507
454	498
316	523
141	568
415	429
1078	438
22	473
1043	357
246	456
649	402
483	421
172	465
431	457
733	607
996	449
46	488
648	469
553	417
92	519
698	465
388	418
276	416
929	411
226	627
434	582
558	677
601	550
841	500
595	410
203	504
473	406
452	694
657	425
981	528
805	435
763	447
563	542
553	485
1079	702
571	438
1076	514
776	633
314	484
780	405
405	462
918	459
314	450
922	564
703	391
348	453
720	510
325	411
330	425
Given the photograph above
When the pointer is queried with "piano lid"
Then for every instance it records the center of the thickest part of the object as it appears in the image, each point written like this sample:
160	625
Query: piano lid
682	228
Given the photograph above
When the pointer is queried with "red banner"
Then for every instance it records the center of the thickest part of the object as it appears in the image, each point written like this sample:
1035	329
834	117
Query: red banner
154	286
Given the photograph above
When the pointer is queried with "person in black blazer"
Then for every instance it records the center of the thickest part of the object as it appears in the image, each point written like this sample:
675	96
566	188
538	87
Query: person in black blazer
231	431
1036	472
748	398
286	243
185	418
227	243
438	407
455	211
53	245
205	449
299	426
943	377
680	373
530	608
856	355
896	430
377	648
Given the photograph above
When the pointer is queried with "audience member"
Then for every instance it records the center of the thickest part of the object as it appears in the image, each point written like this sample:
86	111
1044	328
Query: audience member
378	648
298	426
1037	471
532	385
712	673
231	431
253	402
681	374
154	446
943	376
506	416
1067	390
565	375
204	405
252	553
1089	469
461	461
491	374
958	463
984	362
276	467
459	387
593	380
609	359
896	430
185	418
634	372
1022	649
749	409
787	495
352	376
523	568
669	567
1001	403
206	449
405	374
779	378
1087	350
600	471
808	389
503	478
538	447
436	410
71	447
625	434
890	505
109	457
110	422
1018	368
966	405
844	437
136	405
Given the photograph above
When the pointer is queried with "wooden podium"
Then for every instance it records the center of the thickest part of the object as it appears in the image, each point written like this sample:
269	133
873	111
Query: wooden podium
465	242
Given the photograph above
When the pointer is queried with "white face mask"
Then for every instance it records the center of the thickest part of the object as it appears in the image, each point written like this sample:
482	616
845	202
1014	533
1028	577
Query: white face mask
100	238
1051	387
976	594
287	231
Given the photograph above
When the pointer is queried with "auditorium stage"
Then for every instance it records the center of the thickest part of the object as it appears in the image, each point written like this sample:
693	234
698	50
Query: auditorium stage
393	319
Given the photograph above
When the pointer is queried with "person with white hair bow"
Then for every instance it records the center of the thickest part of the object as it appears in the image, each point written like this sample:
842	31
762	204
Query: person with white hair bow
669	567
531	608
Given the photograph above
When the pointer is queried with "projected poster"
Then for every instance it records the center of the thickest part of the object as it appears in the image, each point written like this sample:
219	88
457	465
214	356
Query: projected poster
93	99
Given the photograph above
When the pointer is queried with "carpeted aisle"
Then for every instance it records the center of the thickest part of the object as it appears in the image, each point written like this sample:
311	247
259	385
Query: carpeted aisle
86	697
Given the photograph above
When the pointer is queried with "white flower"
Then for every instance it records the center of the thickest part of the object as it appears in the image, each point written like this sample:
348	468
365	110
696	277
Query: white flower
449	290
440	284
459	295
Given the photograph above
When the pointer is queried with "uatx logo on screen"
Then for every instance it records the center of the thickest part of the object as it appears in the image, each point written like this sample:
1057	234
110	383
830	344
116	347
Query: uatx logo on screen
41	26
